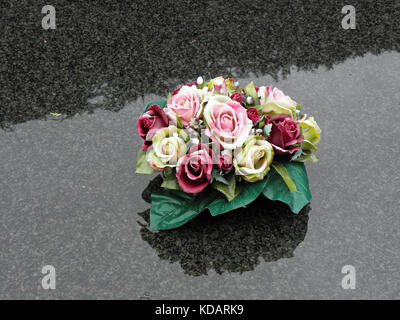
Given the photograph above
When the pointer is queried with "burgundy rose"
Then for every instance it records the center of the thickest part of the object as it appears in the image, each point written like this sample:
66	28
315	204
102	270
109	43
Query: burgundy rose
225	162
237	96
285	134
252	114
149	122
194	169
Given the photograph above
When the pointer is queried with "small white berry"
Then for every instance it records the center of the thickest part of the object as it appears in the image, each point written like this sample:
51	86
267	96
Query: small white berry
236	85
200	80
250	100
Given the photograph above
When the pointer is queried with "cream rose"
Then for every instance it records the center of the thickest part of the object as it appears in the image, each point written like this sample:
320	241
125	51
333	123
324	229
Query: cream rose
311	133
274	101
254	159
169	144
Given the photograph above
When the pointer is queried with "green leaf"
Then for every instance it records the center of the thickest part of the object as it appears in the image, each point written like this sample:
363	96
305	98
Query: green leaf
285	175
267	130
171	209
216	176
204	84
297	154
142	165
228	188
298	108
307	156
251	91
307	145
248	193
161	103
277	189
179	124
170	182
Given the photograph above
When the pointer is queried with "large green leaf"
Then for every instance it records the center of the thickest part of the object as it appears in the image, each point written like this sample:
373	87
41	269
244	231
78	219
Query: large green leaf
142	165
161	103
249	192
171	209
285	175
277	189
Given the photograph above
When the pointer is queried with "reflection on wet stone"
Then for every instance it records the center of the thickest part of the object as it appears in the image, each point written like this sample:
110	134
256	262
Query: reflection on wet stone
232	242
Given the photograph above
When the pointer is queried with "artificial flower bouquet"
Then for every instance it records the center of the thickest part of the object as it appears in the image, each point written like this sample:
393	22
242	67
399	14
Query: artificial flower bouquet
219	146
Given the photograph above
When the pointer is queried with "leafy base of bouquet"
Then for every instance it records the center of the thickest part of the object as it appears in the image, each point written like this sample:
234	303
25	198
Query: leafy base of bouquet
219	146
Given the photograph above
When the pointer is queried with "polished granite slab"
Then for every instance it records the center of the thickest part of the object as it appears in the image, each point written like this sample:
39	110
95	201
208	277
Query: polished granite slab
70	198
69	195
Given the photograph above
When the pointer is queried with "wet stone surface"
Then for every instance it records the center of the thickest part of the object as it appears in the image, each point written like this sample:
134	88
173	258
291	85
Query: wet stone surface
69	195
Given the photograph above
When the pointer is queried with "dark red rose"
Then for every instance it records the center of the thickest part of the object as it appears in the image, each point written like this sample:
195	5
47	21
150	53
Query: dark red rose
285	134
149	122
225	162
194	169
252	114
237	96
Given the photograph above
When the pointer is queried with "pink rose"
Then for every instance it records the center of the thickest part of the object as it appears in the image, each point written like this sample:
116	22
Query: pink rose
285	134
149	122
186	104
226	121
225	161
187	84
252	113
237	96
268	94
194	169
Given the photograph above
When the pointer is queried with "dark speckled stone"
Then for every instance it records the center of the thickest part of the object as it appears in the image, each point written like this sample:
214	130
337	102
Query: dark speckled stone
123	49
69	195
